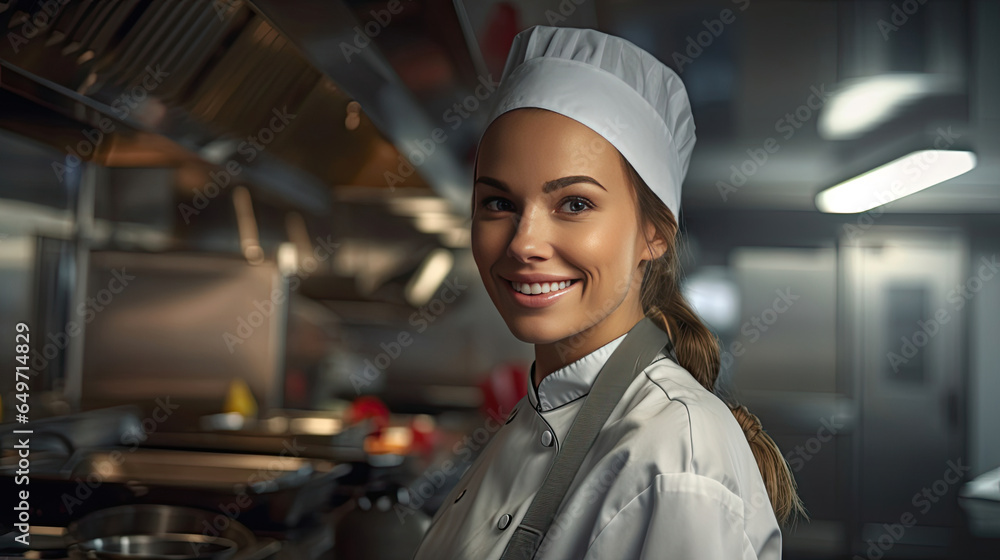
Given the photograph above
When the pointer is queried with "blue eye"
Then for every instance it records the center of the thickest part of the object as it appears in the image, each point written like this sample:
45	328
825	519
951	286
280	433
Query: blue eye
488	204
577	205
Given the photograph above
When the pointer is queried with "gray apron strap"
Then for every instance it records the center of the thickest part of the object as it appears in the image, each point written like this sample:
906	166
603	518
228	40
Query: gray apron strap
640	346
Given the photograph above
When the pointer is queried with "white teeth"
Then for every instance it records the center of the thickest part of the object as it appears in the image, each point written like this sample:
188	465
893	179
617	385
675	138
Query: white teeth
537	288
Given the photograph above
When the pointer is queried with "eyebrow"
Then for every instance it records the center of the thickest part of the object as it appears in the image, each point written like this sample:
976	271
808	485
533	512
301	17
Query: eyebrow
547	187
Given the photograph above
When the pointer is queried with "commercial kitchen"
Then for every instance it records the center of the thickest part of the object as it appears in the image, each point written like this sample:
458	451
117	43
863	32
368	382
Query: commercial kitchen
240	316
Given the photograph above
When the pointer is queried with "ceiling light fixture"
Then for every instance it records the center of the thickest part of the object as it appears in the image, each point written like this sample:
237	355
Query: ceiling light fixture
901	177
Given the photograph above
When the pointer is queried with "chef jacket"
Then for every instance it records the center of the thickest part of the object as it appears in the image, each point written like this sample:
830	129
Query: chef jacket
670	475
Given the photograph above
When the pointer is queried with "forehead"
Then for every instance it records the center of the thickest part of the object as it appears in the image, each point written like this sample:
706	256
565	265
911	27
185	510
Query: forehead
537	142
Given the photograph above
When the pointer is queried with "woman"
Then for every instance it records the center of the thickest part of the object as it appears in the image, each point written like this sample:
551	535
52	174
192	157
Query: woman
574	227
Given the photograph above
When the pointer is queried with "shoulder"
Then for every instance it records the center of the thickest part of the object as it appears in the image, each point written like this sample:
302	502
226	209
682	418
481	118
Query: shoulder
678	385
685	428
686	453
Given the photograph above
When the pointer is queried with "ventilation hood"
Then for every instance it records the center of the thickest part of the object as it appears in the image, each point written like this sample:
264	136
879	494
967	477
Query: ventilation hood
217	81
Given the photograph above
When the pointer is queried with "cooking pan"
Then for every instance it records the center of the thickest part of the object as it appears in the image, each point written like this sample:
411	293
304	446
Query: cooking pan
154	547
154	519
263	491
189	530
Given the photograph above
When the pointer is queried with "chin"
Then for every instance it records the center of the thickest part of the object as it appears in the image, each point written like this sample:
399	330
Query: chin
540	329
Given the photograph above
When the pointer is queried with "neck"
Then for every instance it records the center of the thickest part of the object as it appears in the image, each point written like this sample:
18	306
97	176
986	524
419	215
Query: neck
552	356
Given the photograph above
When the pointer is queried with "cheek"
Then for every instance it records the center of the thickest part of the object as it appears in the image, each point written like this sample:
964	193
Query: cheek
485	244
479	256
605	252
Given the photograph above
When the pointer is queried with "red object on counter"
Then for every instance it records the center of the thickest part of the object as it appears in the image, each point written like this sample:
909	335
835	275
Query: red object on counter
424	435
369	407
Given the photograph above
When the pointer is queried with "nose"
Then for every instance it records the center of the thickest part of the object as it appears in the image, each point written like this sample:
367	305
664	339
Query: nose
530	240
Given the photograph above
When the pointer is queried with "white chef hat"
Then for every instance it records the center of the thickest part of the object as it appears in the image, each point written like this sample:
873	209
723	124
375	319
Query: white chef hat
620	91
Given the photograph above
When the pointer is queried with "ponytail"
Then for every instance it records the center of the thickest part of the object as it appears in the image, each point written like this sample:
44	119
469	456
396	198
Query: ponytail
698	350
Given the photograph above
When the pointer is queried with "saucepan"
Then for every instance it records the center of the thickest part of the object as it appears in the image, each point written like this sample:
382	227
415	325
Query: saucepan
154	547
164	532
267	490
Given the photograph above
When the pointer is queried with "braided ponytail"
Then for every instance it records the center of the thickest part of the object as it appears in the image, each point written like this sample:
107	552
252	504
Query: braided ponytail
698	350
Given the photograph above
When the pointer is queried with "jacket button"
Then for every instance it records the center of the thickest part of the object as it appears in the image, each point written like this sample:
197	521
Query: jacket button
504	521
547	438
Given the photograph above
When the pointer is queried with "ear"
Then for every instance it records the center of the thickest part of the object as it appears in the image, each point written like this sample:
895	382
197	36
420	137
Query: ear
655	244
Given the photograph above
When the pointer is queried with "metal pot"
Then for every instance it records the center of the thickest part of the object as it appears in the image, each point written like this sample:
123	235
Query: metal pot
159	520
266	489
158	547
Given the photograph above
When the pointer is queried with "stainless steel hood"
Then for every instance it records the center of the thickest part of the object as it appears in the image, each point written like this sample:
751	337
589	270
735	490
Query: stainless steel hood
223	83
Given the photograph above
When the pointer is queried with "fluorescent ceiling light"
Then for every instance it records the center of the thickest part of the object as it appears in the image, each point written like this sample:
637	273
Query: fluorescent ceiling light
218	151
429	277
288	259
435	222
863	104
246	224
898	178
414	205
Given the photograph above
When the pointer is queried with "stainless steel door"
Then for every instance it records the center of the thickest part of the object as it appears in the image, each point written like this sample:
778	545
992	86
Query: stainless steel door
904	322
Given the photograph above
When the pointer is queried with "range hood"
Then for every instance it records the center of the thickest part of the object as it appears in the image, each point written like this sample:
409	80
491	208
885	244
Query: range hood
218	81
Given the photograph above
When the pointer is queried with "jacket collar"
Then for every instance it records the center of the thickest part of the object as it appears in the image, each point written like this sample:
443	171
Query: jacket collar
571	381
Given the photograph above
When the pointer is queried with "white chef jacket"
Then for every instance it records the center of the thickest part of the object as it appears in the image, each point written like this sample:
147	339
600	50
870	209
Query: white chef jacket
671	475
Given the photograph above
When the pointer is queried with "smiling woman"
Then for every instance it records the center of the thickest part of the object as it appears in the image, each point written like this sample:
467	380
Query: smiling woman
574	231
580	228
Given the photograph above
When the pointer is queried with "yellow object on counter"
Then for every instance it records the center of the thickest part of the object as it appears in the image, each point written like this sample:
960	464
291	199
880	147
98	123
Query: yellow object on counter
239	399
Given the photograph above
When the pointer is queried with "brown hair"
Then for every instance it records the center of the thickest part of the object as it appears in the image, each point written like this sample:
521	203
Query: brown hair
697	347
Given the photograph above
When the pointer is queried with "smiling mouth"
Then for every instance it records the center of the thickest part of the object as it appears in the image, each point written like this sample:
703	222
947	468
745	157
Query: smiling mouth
538	288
